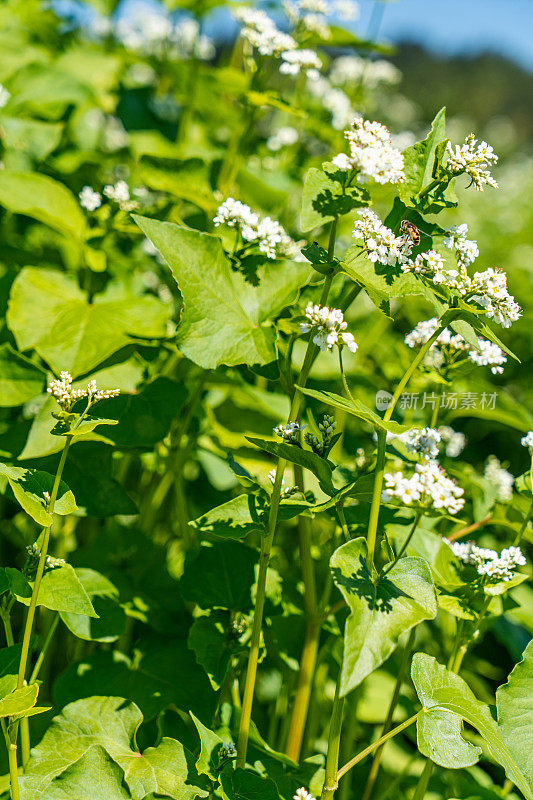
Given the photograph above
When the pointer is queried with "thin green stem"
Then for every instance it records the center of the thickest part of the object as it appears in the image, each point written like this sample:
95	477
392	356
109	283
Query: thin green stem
423	781
525	523
331	779
376	498
409	372
436	409
429	188
364	753
405	545
44	649
343	377
28	627
13	769
374	769
6	621
266	546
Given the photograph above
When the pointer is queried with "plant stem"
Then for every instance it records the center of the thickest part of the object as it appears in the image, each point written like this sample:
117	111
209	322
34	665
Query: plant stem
523	527
13	769
364	753
266	546
374	769
405	545
40	569
44	649
343	376
409	372
376	498
423	781
428	188
436	409
6	620
331	779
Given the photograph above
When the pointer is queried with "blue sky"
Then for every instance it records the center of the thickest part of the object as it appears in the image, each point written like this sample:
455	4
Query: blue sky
460	26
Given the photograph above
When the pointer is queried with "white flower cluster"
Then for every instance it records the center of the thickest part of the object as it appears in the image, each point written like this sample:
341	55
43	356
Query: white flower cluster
296	61
61	389
4	96
120	193
262	33
372	153
303	794
489	354
488	562
474	158
527	440
312	15
329	328
352	70
380	242
290	432
334	100
327	431
90	199
454	441
500	477
490	291
51	562
286	491
466	250
431	265
150	31
425	441
283	137
268	235
429	486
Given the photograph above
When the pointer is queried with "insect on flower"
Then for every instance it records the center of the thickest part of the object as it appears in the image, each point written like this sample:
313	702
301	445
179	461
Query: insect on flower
410	230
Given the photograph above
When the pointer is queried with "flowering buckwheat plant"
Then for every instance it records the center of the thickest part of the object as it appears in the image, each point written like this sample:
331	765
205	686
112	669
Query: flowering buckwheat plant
309	501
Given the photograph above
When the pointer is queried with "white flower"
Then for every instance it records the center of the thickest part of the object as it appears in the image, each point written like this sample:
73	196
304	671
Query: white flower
489	564
490	291
489	354
347	10
372	153
90	199
303	794
61	389
500	477
527	440
473	158
454	441
4	96
120	193
294	61
329	327
429	485
423	441
235	214
267	234
466	250
115	135
289	432
352	70
283	137
380	242
261	31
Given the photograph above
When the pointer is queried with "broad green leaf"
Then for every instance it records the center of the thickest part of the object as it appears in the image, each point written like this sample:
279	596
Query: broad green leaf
31	136
29	486
468	323
50	314
210	750
225	319
111	619
80	431
381	610
221	576
420	161
164	672
357	409
243	784
232	520
94	775
320	467
62	590
383	283
440	689
110	723
19	701
514	701
439	733
523	484
20	378
188	180
43	198
323	197
209	638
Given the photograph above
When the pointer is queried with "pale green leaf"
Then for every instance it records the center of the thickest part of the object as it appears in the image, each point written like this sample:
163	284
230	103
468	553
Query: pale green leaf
514	701
19	701
20	378
381	610
95	775
43	198
62	590
358	409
